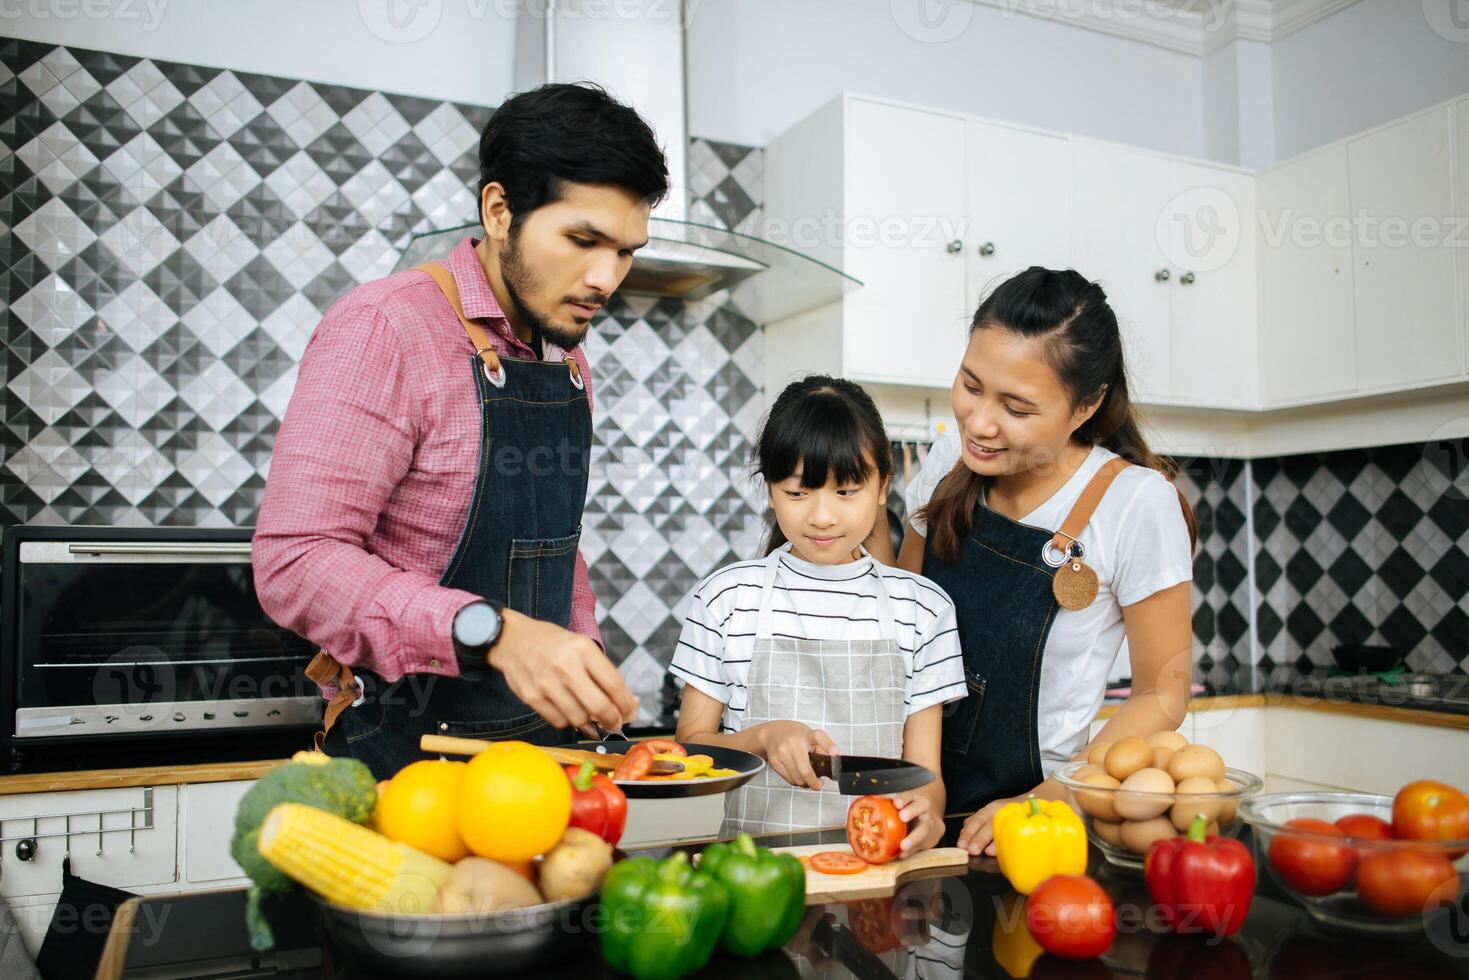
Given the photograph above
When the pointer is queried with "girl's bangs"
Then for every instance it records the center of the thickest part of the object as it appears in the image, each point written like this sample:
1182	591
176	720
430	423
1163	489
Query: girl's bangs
824	440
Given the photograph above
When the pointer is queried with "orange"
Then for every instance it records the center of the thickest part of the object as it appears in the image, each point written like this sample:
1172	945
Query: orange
420	806
515	802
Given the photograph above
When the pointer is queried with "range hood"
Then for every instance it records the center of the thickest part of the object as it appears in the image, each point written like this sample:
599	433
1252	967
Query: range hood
636	50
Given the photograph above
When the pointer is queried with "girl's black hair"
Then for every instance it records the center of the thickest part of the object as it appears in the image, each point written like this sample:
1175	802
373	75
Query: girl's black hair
1083	345
829	428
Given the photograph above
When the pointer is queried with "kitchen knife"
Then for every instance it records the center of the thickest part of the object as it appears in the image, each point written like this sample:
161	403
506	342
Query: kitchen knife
857	775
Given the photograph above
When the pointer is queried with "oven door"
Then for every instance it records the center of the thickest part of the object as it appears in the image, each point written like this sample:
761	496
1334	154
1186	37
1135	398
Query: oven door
137	633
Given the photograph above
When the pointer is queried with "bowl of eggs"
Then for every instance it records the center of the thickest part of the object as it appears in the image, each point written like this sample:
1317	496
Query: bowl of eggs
1135	791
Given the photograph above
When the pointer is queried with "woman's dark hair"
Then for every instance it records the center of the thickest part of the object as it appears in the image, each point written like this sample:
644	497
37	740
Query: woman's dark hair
568	132
829	428
1084	348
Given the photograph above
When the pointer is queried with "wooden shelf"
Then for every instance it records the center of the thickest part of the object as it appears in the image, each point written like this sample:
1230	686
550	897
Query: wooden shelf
60	782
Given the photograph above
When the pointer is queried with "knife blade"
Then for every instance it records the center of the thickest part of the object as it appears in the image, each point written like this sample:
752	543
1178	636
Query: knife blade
857	775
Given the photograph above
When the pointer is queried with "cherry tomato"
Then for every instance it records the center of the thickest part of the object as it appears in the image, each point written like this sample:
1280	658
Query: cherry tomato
1430	810
838	863
1404	882
1071	916
871	920
874	829
1308	864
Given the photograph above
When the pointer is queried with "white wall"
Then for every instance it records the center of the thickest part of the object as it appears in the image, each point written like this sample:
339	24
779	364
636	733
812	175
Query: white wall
1364	66
758	66
443	49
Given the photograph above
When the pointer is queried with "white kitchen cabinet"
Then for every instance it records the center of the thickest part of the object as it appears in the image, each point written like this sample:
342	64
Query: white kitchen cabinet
1308	338
1020	204
1120	192
1237	734
877	190
1359	753
207	822
1408	322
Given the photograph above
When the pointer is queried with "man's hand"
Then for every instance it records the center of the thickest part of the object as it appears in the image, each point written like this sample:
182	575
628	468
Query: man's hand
563	676
787	746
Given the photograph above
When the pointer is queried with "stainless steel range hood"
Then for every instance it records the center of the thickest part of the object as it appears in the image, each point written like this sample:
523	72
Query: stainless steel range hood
636	50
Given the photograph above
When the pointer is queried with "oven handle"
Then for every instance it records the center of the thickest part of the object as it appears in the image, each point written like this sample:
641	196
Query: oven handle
183	549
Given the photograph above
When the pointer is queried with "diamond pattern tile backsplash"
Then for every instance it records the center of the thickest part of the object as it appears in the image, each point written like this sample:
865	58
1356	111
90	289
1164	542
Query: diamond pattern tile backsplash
170	235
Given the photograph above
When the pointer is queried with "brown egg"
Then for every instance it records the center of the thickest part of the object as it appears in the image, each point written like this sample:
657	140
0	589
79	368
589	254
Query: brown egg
1169	740
1195	760
1087	770
1133	806
1161	755
1137	835
1099	805
1128	756
1227	808
1185	809
1098	752
1108	831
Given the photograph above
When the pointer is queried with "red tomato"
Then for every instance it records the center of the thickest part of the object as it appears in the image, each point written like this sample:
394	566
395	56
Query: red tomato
874	829
1364	825
1309	865
1430	810
661	745
837	863
635	763
1404	882
1071	916
871	920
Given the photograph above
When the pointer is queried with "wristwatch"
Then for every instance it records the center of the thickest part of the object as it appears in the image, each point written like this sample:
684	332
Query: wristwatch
476	628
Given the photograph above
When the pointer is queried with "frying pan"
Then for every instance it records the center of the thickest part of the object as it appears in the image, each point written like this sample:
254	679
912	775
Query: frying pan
1359	659
745	765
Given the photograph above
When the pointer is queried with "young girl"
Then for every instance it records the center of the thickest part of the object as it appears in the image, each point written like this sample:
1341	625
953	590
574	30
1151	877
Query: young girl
817	647
1059	534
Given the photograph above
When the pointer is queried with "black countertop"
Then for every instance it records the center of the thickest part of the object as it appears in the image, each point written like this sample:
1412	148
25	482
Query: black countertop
956	926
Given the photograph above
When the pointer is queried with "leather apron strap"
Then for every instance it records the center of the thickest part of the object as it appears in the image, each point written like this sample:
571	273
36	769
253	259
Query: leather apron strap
1086	505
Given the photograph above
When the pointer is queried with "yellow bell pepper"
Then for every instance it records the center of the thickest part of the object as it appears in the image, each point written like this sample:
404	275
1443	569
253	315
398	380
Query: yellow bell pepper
1014	947
1037	839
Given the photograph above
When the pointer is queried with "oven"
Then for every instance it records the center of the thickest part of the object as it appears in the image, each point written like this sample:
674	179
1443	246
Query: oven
141	634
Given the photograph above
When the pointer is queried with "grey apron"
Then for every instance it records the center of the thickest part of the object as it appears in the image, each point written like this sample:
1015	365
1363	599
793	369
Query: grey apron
854	690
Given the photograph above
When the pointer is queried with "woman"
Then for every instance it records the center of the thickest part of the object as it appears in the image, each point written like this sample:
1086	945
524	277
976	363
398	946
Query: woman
1048	456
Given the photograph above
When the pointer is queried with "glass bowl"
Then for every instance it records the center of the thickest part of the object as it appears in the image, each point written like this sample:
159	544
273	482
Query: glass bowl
1363	884
1098	807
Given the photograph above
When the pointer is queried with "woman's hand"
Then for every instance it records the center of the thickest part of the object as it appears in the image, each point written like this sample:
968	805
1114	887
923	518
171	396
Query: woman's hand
978	833
925	826
787	747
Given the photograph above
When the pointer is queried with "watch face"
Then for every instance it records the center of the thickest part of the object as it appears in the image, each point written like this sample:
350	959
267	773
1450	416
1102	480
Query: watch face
477	624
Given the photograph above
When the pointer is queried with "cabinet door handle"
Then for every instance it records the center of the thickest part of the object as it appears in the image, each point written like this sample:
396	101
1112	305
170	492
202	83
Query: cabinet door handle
1162	275
987	249
1187	279
954	247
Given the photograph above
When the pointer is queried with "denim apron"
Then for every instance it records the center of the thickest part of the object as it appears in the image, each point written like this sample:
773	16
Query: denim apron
853	690
518	547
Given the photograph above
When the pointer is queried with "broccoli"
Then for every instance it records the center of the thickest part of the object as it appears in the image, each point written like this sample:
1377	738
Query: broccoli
344	787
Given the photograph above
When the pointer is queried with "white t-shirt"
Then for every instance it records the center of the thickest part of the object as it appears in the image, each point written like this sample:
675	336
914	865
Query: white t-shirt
816	602
1137	543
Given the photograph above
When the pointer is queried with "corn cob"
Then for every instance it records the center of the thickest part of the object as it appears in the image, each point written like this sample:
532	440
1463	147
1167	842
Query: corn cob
348	864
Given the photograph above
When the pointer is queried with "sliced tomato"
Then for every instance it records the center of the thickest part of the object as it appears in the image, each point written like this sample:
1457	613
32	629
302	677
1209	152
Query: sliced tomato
635	763
874	829
838	863
658	745
871	920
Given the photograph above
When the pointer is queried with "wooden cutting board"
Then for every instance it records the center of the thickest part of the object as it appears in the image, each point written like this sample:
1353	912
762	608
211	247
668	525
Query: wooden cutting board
876	880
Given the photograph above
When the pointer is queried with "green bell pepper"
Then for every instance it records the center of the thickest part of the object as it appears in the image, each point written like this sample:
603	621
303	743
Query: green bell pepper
663	918
767	893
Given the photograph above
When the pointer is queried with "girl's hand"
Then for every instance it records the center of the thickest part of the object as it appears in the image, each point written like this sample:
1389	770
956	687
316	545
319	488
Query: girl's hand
788	746
978	834
924	826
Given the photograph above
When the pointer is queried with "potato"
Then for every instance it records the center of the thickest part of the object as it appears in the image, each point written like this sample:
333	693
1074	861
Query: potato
575	867
1132	805
479	885
1127	757
1108	831
1099	805
1195	760
1185	810
1138	835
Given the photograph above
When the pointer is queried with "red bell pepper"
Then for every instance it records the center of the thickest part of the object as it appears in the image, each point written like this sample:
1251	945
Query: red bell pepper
598	805
1201	885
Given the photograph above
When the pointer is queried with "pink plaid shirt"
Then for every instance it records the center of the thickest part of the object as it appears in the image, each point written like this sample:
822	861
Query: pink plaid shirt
373	470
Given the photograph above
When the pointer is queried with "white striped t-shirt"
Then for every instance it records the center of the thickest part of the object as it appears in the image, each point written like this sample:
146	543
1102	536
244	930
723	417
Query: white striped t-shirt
817	602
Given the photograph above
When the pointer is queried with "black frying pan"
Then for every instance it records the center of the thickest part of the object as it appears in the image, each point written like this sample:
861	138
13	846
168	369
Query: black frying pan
1357	658
746	766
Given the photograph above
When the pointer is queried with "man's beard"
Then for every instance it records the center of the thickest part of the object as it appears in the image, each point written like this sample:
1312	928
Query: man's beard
518	280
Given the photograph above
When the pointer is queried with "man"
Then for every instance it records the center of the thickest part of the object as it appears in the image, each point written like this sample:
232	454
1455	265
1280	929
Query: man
424	502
